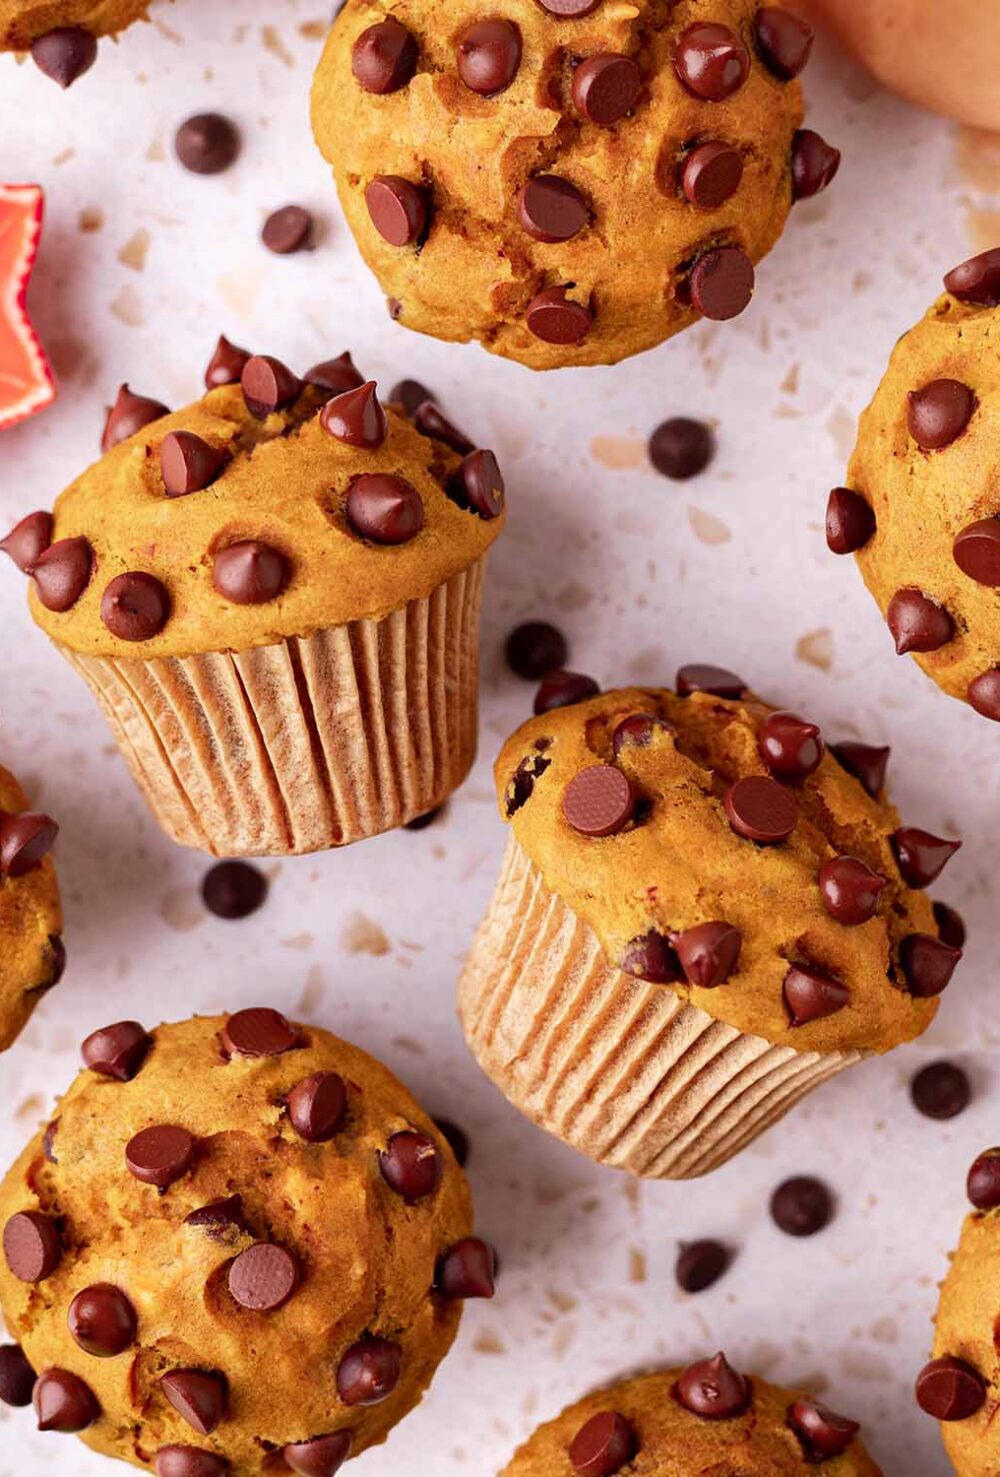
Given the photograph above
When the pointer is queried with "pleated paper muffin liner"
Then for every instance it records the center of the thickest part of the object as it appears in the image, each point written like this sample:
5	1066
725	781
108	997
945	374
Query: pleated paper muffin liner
313	742
622	1070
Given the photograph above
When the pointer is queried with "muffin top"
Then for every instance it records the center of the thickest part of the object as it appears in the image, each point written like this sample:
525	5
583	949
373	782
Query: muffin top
32	956
268	509
715	846
23	21
921	504
238	1237
706	1420
568	181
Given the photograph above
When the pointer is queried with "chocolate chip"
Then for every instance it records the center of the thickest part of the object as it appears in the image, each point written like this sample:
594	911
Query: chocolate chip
323	1456
708	953
421	822
409	395
288	230
551	209
976	551
430	422
17	1378
801	1206
814	164
219	1218
250	573
468	1270
927	964
711	61
383	508
25	839
700	1264
822	1432
102	1320
951	928
606	87
398	209
356	418
717	681
712	1389
921	856
31	1246
207	143
135	606
950	1389
680	448
49	1142
940	1090
785	41
63	1402
226	365
570	9
563	690
850	522
268	385
603	1446
557	319
488	56
317	1106
64	54
199	1396
810	994
117	1051
983	1183
233	889
711	174
722	283
456	1138
259	1031
188	1461
652	957
385	57
761	810
599	801
850	890
188	463
789	746
369	1371
977	280
917	622
637	731
28	540
336	375
160	1155
938	413
535	649
57	956
263	1277
983	693
411	1165
522	782
129	414
478	485
866	762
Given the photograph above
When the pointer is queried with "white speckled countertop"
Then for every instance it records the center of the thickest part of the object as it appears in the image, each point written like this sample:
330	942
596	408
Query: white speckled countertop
142	266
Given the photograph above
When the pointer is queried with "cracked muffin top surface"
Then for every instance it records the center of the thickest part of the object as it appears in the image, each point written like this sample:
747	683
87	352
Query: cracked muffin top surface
32	956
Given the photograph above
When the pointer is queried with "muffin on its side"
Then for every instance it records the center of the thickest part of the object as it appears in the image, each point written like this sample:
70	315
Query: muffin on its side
32	954
62	37
702	915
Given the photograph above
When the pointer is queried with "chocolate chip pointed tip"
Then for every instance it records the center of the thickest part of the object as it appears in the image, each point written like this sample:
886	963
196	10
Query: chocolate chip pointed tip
226	365
713	1389
815	164
822	1431
64	54
467	1270
28	540
129	414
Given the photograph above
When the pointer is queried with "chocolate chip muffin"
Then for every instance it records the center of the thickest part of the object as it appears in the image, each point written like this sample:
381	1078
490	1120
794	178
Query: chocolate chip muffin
275	596
703	914
62	36
707	1420
32	954
241	1246
921	509
567	181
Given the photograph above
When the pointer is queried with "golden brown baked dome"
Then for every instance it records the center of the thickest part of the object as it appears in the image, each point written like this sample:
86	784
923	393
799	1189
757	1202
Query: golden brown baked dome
706	1420
32	955
715	846
921	503
567	181
241	1238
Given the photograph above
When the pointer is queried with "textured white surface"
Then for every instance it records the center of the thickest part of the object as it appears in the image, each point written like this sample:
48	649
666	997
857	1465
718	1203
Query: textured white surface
642	574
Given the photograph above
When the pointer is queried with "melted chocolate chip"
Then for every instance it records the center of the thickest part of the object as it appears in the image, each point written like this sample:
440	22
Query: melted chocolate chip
135	606
117	1051
250	573
62	573
712	1389
219	1218
638	731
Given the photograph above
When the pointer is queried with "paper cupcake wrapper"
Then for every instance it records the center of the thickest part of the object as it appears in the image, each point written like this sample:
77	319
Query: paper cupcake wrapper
622	1070
314	742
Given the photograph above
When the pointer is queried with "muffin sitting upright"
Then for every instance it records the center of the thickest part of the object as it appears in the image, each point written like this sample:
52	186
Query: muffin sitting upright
702	915
275	596
32	955
62	37
240	1248
567	181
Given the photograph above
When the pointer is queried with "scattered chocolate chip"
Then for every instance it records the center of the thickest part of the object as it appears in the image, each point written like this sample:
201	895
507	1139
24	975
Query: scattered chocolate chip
789	746
219	1217
250	573
456	1138
535	649
927	964
976	551
478	485
207	143
983	693
850	522
680	448
31	1246
951	927
189	1461
801	1206
117	1051
17	1378
102	1320
411	1165
977	280
430	422
317	1106
637	731
135	606
709	953
866	762
288	230
263	1277
488	56
268	385
606	87
940	1090
199	1396
563	690
652	957
398	209
557	319
356	418
259	1031
336	375
921	857
323	1456
761	810
603	1446
850	890
551	209
950	1390
160	1155
822	1431
28	540
917	622
385	57
717	681
409	395
63	1402
785	41
64	54
599	801
25	839
129	415
233	889
721	283
938	413
226	365
810	994
814	164
711	61
711	174
369	1371
468	1270
188	463
712	1389
983	1183
383	508
700	1264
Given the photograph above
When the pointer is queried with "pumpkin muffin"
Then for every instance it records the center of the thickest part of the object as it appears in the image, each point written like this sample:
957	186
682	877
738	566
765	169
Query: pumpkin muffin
275	596
32	954
241	1246
567	181
706	1420
62	35
703	913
